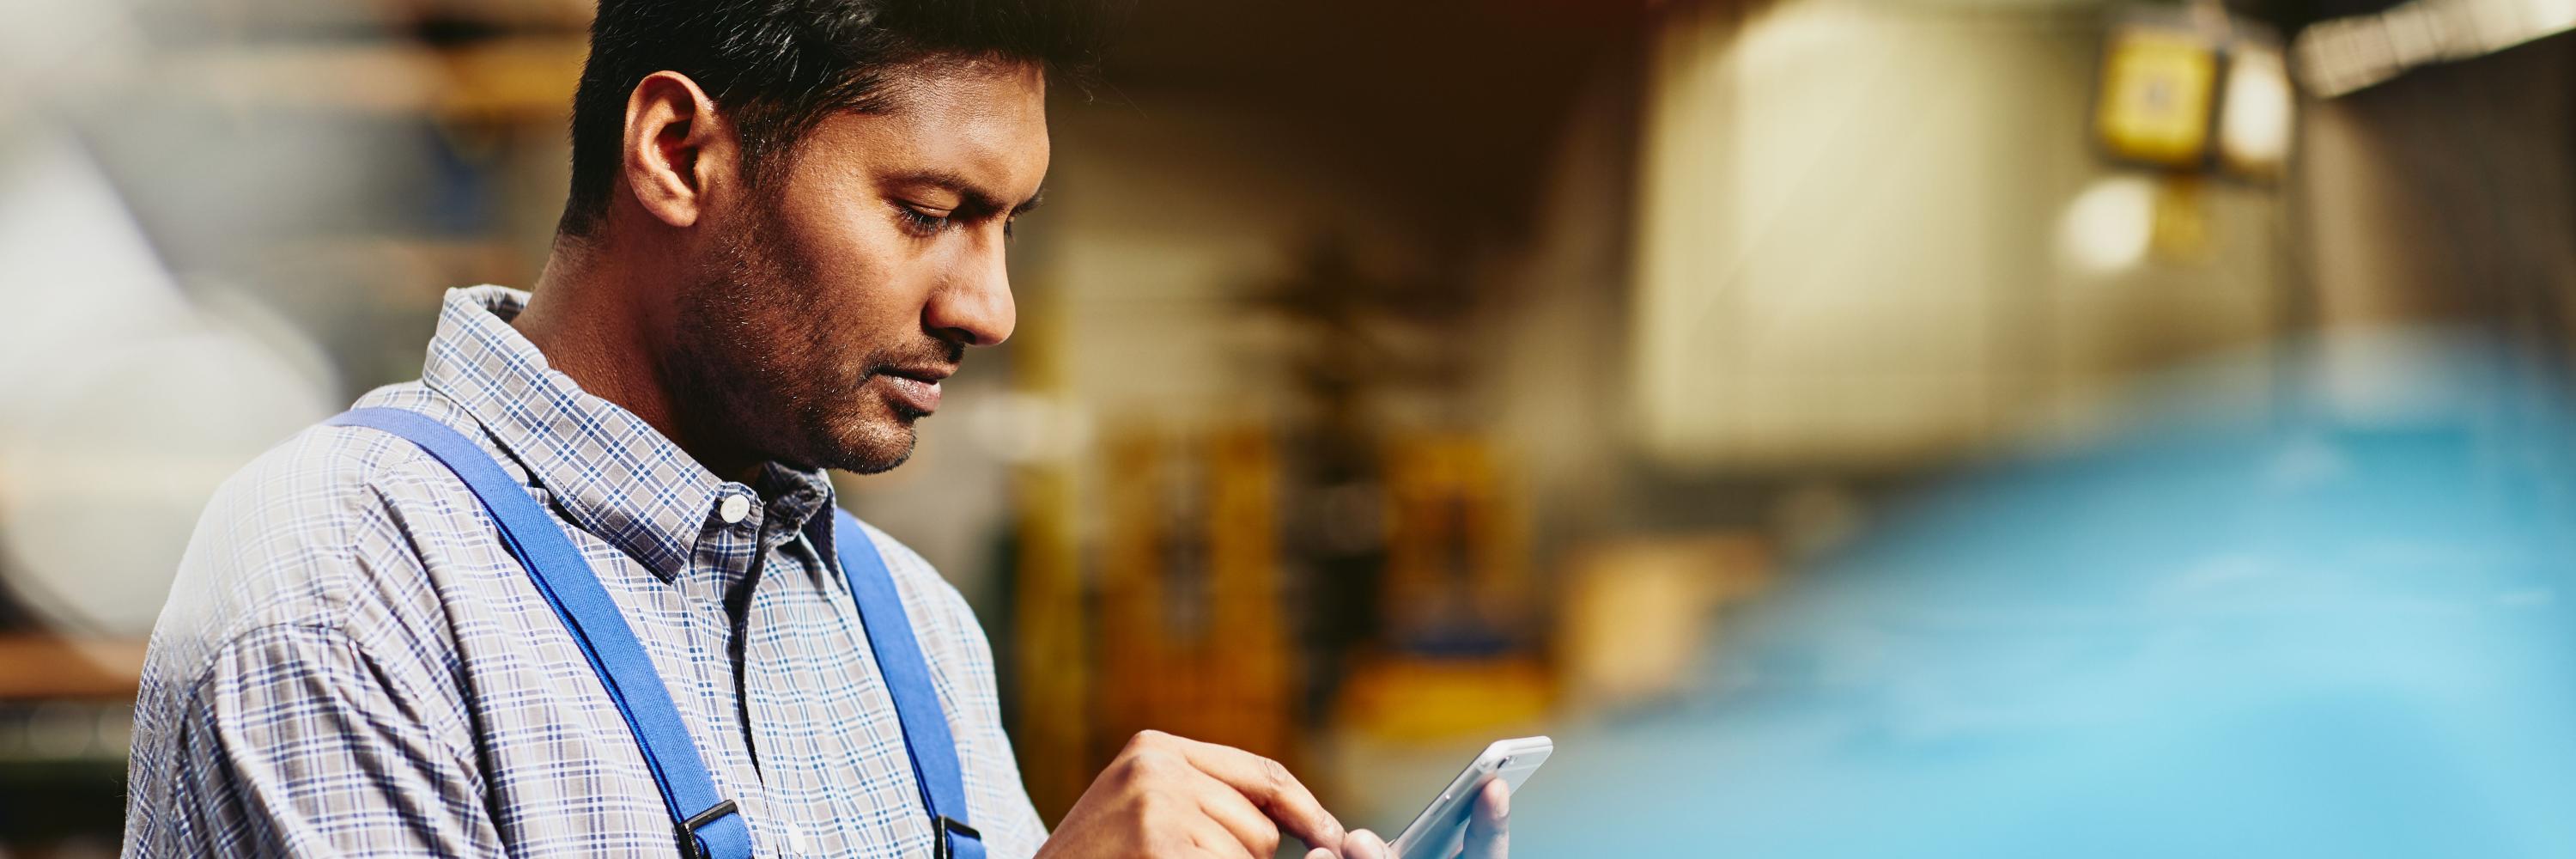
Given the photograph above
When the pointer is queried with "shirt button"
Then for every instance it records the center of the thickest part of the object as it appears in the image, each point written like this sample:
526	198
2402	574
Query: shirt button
734	509
795	838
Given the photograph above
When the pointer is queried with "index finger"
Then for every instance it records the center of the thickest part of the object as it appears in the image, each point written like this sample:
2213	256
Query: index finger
1271	788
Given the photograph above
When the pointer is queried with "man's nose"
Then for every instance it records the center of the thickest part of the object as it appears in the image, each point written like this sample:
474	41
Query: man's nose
974	307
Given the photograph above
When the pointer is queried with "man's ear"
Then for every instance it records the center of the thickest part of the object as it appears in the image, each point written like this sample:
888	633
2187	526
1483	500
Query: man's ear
677	154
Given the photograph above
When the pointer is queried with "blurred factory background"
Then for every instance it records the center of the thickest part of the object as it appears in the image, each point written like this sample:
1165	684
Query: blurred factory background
1852	427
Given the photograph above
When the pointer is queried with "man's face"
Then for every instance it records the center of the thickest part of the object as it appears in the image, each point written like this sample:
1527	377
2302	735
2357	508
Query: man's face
838	296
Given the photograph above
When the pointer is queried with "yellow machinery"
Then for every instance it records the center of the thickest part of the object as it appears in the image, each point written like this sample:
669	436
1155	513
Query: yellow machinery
1193	628
1457	652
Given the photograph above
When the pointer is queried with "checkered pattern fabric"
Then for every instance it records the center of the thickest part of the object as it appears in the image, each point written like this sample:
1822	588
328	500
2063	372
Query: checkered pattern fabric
350	663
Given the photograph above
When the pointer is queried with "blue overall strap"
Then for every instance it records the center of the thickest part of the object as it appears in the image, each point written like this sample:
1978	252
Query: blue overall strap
707	825
907	676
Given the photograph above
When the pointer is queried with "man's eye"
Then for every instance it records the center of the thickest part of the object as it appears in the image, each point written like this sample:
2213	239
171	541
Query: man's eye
922	223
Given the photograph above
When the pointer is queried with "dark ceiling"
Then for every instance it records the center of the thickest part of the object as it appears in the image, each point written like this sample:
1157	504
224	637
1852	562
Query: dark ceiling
1452	105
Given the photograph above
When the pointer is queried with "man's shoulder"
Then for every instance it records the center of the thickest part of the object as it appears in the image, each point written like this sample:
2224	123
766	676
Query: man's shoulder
314	531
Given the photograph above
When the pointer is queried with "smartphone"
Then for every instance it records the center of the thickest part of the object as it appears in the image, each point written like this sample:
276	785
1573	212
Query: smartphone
1441	829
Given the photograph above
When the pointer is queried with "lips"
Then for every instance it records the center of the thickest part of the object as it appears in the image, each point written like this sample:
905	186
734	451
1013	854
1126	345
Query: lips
916	388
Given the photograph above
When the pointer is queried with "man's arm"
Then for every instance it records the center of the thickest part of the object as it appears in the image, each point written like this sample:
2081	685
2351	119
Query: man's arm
294	742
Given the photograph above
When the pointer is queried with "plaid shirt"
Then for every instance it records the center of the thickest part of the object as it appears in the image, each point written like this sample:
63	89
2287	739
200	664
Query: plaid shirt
351	664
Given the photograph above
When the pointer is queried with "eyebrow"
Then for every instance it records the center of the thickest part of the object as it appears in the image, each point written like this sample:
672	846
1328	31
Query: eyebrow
973	196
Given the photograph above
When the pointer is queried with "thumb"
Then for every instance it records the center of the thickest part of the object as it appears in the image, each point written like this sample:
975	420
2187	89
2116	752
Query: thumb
1364	844
1488	832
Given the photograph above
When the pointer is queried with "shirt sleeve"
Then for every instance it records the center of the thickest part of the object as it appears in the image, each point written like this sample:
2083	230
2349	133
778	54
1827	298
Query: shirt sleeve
293	742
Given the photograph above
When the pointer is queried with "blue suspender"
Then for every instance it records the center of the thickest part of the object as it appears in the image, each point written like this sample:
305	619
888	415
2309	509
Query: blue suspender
907	674
706	824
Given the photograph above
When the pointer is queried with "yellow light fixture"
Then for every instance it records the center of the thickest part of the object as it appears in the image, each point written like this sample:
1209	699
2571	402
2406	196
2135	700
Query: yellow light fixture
2194	93
2157	83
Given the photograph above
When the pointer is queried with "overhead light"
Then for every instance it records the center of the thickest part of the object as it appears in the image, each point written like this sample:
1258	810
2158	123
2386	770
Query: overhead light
2254	116
2110	225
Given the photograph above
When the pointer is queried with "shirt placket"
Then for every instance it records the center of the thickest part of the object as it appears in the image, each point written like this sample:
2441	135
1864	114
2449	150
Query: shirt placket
725	558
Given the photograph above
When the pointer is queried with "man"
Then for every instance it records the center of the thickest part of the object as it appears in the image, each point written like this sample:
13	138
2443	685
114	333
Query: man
786	227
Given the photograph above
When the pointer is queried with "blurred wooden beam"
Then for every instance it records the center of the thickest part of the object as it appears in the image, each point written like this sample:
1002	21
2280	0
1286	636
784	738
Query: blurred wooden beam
50	667
529	78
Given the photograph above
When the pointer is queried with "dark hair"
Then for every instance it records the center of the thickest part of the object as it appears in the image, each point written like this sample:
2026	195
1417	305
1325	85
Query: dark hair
775	67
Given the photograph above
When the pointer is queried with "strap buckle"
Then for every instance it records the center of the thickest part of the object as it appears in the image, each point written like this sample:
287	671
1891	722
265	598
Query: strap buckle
944	830
689	846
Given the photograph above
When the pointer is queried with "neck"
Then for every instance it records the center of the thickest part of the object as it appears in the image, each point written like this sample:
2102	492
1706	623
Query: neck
585	315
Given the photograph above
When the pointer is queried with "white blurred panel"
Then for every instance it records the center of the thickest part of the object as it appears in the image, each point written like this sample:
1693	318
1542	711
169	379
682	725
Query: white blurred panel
122	403
1851	239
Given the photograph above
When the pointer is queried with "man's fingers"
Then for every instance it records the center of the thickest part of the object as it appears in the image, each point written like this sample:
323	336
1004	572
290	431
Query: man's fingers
1220	802
1210	840
1363	844
1320	853
1270	788
1488	833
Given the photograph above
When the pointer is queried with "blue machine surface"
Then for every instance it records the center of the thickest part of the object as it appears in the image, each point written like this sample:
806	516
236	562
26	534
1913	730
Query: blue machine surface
2295	609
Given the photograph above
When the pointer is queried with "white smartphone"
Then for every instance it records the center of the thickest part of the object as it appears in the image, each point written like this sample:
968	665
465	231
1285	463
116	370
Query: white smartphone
1441	829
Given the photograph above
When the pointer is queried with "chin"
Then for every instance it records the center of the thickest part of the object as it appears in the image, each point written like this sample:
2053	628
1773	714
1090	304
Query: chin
872	445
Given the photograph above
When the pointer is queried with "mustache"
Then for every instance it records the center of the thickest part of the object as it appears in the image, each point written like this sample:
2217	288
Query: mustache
938	353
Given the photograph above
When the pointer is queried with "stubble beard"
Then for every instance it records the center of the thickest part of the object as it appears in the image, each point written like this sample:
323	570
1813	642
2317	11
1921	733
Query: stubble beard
755	368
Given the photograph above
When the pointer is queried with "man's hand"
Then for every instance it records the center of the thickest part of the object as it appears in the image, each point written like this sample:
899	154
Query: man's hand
1488	836
1488	833
1165	797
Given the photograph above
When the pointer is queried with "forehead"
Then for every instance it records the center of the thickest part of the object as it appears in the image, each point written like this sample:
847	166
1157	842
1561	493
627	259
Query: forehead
982	119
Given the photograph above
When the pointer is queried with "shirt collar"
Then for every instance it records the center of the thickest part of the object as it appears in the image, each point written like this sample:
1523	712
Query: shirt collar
611	473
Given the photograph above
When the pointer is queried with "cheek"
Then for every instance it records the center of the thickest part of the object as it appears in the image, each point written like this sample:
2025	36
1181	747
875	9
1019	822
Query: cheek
852	318
862	270
862	279
871	283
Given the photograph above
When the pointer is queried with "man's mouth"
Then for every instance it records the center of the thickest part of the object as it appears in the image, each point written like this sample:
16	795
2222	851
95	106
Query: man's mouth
915	387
